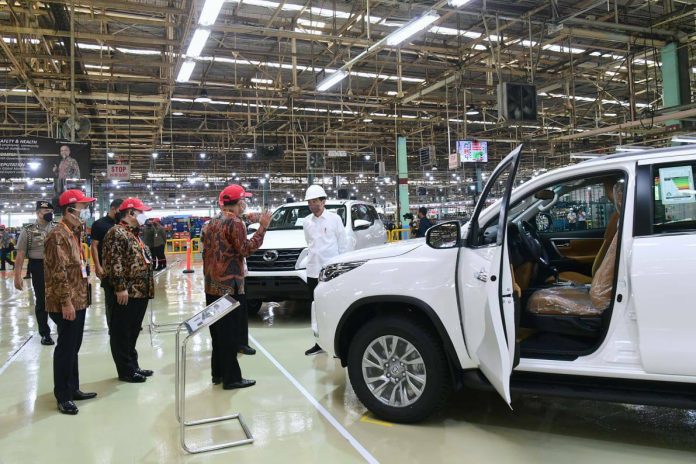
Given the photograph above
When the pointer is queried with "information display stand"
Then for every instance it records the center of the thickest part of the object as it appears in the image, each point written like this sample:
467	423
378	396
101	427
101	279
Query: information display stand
192	326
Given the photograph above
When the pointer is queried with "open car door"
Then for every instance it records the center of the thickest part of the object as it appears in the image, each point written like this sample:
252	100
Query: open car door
497	349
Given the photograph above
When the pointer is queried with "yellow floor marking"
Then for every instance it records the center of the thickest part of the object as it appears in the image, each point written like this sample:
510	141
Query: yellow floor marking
369	420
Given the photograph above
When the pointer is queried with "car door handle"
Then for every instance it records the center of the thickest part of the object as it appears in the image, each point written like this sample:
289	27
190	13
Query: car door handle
562	245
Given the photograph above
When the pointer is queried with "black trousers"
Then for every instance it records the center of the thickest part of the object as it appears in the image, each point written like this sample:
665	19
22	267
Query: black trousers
36	269
226	335
123	334
66	376
312	284
160	258
109	303
5	258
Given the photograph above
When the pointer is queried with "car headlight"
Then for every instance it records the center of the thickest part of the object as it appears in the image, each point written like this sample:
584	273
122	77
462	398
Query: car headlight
334	270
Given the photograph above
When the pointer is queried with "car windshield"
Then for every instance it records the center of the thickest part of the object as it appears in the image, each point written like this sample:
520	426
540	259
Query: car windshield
291	217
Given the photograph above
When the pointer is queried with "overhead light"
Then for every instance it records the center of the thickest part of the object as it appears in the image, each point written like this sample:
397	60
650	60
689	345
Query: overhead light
332	80
200	37
203	97
368	157
34	165
186	71
110	154
367	120
457	3
629	149
585	156
177	113
202	155
249	155
412	28
256	80
210	12
154	155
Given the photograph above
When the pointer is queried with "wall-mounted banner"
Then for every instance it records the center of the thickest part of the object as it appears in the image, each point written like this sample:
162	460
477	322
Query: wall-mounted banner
41	157
120	171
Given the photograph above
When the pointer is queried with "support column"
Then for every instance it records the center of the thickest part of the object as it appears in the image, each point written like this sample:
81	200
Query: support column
675	78
402	167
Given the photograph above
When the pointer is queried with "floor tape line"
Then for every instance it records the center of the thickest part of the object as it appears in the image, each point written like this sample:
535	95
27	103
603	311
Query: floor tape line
317	405
14	355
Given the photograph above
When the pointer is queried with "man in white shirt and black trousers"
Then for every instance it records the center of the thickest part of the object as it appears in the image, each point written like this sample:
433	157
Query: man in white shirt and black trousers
326	238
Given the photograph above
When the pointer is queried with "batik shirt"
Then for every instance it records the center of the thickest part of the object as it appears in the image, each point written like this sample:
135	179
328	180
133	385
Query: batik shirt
127	262
63	264
225	246
68	168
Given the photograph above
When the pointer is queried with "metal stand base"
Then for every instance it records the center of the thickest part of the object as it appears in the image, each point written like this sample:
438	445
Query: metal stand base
193	326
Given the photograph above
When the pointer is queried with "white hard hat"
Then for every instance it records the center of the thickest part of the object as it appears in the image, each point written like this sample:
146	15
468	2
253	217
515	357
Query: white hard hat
315	191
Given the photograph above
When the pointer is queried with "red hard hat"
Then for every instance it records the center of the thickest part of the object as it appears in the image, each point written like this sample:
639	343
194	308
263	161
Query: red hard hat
134	203
74	196
231	193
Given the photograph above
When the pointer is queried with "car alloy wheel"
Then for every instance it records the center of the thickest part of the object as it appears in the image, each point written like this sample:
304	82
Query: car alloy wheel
394	371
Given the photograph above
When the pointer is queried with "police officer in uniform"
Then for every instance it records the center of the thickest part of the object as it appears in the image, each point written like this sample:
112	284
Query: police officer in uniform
31	245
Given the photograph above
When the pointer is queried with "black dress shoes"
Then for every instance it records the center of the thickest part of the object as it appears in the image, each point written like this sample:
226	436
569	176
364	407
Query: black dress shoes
135	378
80	395
246	349
244	383
217	380
68	407
47	340
145	372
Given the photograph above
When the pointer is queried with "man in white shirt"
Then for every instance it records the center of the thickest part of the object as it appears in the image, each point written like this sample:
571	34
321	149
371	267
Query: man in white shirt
326	238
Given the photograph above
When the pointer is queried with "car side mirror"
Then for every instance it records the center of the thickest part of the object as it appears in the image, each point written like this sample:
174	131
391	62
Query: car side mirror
443	236
361	224
545	195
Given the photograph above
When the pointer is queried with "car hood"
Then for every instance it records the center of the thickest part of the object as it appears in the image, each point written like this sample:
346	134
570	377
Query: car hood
281	239
383	251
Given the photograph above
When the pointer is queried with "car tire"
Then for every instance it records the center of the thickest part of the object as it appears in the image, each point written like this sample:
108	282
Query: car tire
253	307
437	386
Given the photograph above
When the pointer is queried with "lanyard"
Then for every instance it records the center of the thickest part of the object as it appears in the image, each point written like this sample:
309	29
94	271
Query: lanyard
77	242
140	242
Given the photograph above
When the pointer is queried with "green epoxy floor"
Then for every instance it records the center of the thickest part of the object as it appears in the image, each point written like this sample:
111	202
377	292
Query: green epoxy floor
130	423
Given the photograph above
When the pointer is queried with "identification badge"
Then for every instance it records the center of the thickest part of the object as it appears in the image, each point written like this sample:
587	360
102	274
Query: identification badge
83	268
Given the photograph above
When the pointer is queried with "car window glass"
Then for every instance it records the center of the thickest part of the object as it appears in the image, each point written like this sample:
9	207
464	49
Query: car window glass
488	232
292	217
586	206
674	198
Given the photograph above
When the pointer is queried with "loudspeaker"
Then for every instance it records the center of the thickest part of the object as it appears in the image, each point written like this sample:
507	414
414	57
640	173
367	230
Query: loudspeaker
266	152
342	194
517	102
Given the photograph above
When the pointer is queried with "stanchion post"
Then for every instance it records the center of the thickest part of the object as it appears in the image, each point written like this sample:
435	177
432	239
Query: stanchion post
188	269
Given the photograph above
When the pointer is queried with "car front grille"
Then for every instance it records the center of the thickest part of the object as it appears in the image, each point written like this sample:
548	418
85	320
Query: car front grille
284	262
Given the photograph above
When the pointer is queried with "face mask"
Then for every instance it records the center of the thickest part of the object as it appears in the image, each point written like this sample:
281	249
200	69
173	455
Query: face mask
141	218
82	215
48	217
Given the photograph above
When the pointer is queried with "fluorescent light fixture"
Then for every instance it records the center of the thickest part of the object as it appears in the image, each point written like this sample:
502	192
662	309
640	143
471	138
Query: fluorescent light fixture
332	80
585	156
110	154
367	120
256	80
155	155
34	165
457	3
248	155
629	149
392	93
186	71
210	12
97	66
307	22
202	155
177	113
684	139
198	41
412	28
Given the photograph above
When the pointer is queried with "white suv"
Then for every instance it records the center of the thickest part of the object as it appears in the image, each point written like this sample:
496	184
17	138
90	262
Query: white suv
526	297
277	271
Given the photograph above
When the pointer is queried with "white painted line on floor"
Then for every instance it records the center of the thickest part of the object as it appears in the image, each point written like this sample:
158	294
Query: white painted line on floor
322	410
14	355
